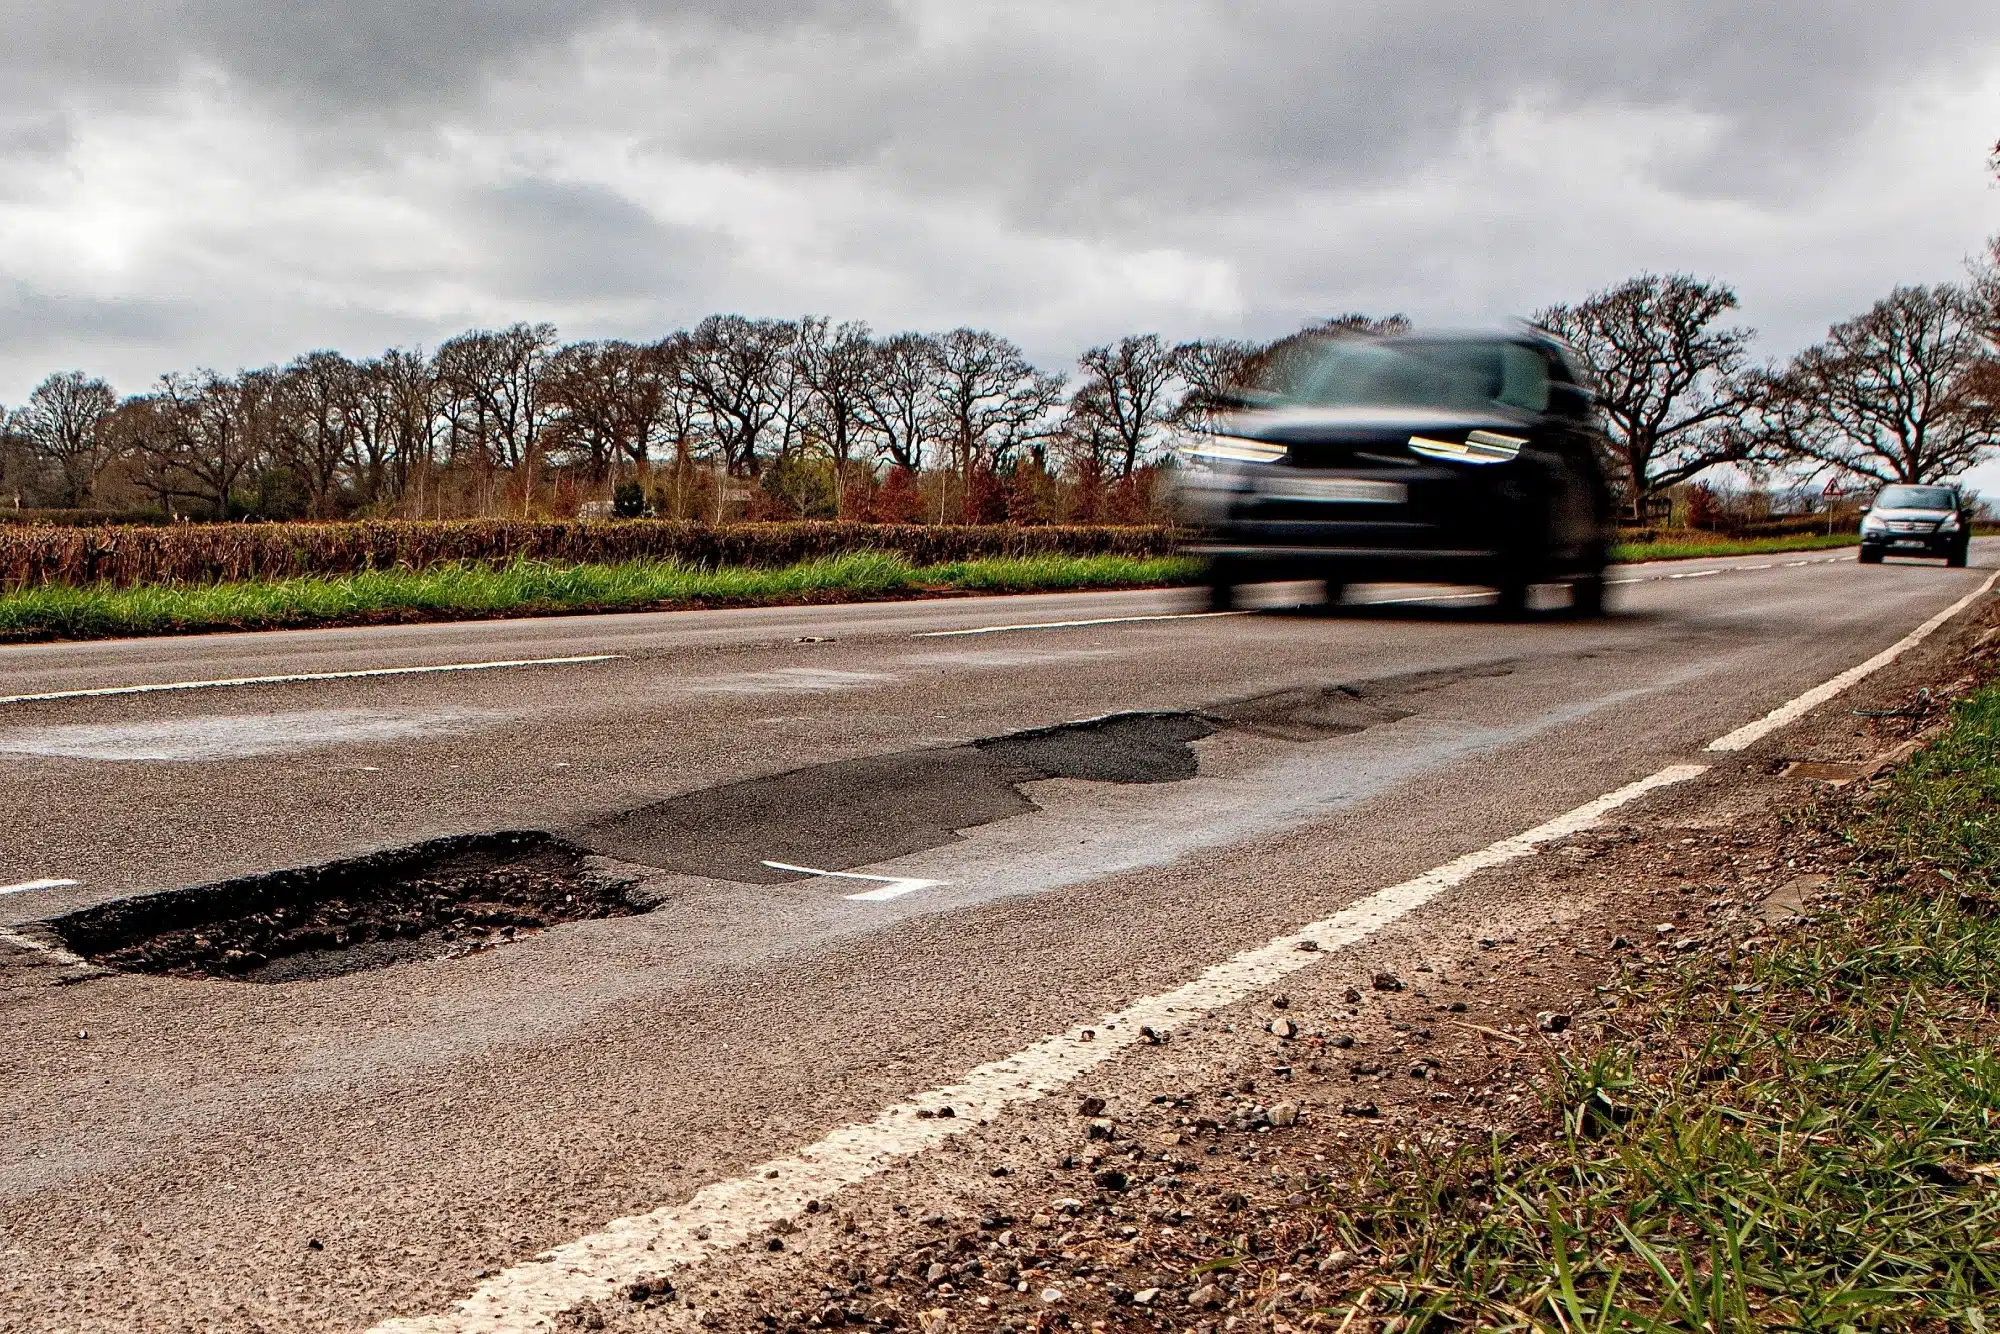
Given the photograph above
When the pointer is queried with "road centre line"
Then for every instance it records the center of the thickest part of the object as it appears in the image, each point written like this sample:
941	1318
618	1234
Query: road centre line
1799	705
226	682
1068	625
28	886
730	1213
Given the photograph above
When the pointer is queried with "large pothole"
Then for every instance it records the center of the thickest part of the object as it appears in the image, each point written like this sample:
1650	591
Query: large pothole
461	895
430	900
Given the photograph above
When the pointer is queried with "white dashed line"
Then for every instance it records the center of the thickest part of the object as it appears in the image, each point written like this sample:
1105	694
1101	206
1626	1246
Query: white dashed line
29	886
227	682
1798	706
893	887
1070	625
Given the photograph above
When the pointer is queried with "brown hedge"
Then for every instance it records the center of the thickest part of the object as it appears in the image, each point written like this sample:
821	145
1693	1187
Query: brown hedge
34	554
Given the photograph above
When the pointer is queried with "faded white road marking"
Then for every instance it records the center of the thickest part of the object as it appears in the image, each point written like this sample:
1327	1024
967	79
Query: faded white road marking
729	1213
789	680
893	887
237	736
29	886
1069	625
226	682
1800	705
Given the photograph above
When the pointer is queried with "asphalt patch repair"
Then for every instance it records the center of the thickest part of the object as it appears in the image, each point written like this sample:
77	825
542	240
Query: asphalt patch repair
448	897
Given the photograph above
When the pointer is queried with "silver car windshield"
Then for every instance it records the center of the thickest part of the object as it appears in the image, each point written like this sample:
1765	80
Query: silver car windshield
1916	498
1412	372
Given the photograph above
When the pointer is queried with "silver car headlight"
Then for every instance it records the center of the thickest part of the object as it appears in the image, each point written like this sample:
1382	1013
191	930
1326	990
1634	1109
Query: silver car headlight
1871	524
1950	524
1206	449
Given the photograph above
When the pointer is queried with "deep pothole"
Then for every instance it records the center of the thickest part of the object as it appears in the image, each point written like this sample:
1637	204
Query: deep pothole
432	900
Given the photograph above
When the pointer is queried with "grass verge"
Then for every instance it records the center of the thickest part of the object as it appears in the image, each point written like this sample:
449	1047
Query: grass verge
527	588
1674	548
531	588
1810	1142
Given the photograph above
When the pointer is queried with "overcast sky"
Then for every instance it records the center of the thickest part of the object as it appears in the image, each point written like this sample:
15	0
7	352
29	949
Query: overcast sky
232	182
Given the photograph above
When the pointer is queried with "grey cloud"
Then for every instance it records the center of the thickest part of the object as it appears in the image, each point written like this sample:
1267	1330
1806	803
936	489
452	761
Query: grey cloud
557	243
1073	126
343	58
1229	131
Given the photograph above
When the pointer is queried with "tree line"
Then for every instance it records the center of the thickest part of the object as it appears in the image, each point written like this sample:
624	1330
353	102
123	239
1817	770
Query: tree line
809	417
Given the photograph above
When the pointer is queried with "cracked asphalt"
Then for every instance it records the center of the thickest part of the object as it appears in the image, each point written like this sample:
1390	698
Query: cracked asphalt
194	1153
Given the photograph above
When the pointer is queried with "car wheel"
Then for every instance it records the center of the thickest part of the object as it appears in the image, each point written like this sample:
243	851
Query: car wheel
1870	557
1586	595
1956	559
1332	591
1223	576
1513	601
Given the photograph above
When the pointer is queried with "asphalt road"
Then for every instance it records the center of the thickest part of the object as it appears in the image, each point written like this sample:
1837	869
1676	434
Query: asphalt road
180	1153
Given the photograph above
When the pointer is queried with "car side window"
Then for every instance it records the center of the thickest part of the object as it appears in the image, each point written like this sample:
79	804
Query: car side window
1524	379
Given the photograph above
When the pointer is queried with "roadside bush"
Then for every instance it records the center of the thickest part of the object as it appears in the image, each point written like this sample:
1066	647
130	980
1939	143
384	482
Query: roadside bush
34	555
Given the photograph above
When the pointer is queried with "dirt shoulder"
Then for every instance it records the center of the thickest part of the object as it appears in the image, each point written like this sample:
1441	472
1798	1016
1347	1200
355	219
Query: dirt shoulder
1221	1179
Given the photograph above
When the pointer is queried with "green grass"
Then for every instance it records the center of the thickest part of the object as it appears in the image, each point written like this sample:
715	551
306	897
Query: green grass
1695	548
1809	1143
532	588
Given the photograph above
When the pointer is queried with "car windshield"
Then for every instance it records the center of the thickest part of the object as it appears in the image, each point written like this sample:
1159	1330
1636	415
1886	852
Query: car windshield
1413	372
1916	498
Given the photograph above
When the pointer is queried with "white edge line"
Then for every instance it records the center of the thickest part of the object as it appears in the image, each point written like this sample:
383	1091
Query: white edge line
27	886
226	682
1067	625
729	1213
1797	707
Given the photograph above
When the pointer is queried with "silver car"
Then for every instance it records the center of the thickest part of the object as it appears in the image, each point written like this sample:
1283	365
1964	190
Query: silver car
1932	521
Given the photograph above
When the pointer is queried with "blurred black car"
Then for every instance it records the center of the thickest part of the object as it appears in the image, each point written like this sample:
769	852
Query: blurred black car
1464	458
1934	521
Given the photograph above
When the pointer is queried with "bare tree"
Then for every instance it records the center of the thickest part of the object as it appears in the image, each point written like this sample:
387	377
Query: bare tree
1127	395
606	400
313	418
834	366
989	398
1671	381
392	418
206	433
62	424
736	369
1213	372
900	406
1893	394
496	380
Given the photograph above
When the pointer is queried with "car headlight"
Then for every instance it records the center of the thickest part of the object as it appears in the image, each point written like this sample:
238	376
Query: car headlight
1204	448
1477	447
1871	524
1950	524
